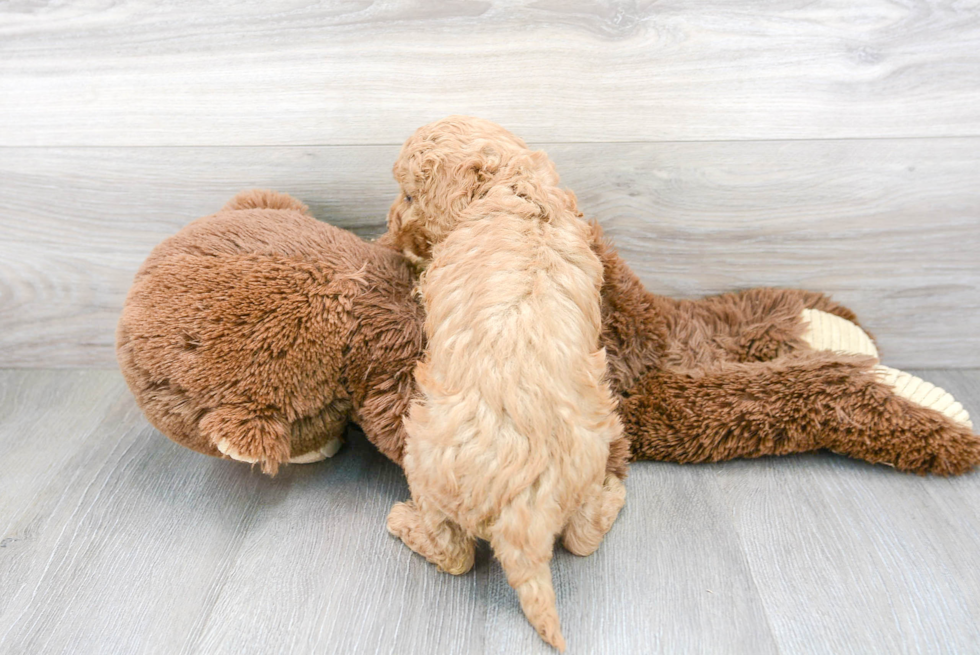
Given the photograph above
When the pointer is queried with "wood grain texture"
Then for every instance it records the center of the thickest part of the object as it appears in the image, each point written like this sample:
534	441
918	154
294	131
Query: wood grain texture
116	541
141	72
853	559
670	577
890	228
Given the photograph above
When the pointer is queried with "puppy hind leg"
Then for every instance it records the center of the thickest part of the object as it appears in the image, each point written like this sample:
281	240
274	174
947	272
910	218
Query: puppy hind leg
528	569
433	535
594	517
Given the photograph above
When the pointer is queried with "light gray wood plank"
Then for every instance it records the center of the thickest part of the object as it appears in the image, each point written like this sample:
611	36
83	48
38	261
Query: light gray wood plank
670	577
253	73
318	572
35	447
123	548
363	591
139	546
149	548
135	545
80	222
850	558
889	227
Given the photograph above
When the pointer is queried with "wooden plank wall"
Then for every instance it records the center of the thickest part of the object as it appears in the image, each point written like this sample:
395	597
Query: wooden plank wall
832	145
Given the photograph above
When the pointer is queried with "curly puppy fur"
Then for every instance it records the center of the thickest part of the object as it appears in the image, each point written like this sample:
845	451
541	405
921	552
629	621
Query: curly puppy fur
510	439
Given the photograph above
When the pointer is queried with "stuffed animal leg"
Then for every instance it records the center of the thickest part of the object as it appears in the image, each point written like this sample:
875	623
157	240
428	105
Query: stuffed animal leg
811	402
775	375
832	333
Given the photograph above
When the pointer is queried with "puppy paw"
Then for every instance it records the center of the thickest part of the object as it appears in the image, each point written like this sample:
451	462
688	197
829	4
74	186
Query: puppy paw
593	519
446	547
328	449
826	331
402	518
925	394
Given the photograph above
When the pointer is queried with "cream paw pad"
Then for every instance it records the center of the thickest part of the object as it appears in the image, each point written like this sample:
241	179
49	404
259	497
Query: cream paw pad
830	332
329	449
226	448
926	394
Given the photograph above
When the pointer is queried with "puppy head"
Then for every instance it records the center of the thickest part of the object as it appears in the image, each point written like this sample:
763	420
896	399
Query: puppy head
443	168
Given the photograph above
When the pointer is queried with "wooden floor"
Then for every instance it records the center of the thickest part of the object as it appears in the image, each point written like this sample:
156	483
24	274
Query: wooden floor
832	145
115	540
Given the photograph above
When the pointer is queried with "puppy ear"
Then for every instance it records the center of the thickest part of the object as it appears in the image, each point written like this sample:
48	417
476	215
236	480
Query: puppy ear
544	167
476	173
422	165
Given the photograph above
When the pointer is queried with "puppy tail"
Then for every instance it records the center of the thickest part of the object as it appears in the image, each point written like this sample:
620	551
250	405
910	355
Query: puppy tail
537	596
526	562
265	199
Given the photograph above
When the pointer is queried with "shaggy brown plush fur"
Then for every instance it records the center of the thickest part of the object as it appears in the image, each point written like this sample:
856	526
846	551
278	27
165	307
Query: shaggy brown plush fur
728	376
285	328
262	326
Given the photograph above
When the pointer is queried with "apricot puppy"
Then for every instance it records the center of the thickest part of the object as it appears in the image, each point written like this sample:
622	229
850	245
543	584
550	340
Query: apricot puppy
510	437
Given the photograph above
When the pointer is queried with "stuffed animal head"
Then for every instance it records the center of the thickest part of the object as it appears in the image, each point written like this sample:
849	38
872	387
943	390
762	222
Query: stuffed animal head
446	166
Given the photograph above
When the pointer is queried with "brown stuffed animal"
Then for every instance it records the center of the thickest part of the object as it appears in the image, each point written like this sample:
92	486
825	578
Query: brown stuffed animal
258	332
